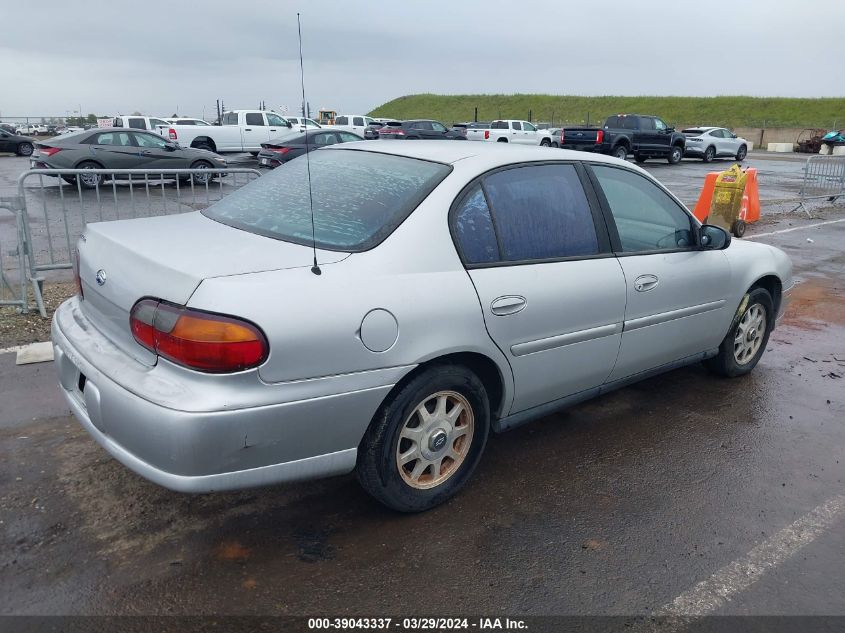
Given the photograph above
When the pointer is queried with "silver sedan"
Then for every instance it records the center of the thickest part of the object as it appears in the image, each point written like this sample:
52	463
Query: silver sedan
446	290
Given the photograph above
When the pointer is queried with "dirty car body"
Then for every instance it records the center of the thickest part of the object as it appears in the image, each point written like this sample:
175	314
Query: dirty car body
568	294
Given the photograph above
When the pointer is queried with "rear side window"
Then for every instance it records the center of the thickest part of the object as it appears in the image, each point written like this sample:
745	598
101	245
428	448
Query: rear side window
230	118
347	137
359	198
474	231
516	125
499	125
342	120
541	212
646	218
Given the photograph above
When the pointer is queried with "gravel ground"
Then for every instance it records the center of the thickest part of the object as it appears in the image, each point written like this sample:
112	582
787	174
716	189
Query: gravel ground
20	329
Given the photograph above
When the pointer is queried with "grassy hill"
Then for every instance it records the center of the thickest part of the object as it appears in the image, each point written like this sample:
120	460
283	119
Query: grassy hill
724	111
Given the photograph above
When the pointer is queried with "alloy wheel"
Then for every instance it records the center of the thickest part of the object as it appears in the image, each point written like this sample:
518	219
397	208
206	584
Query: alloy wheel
749	334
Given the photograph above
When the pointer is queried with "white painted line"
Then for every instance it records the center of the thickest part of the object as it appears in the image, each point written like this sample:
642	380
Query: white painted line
35	353
794	228
712	594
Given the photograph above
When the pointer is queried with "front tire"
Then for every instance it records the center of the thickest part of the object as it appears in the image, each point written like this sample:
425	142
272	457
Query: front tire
424	443
201	179
746	341
640	158
675	155
24	149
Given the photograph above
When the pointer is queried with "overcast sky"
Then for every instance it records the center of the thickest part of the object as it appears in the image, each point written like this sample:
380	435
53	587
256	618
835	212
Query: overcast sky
155	56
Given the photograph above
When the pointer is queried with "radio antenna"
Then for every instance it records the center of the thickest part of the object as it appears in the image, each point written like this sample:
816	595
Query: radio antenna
315	268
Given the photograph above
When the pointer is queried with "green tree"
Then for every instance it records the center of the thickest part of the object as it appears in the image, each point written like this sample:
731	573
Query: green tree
91	118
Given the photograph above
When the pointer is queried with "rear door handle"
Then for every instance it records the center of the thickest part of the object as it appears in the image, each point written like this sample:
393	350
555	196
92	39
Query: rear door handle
644	283
247	129
511	304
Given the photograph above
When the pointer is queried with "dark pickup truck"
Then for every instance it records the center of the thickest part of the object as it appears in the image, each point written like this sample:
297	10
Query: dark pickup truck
643	136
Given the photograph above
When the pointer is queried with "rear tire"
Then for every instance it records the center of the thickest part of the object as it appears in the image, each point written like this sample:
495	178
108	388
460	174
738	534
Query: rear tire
745	342
24	149
412	461
90	181
620	152
545	143
742	152
501	140
555	144
709	154
640	158
675	155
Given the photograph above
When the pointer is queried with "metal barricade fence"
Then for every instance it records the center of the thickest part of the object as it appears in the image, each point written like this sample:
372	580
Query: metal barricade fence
824	177
13	277
57	204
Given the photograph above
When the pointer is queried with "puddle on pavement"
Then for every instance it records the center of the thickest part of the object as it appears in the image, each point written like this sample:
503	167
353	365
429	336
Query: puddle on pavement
816	302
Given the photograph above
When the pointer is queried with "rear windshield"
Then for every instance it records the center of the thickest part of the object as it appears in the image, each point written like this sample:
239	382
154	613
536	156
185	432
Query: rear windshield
359	198
693	132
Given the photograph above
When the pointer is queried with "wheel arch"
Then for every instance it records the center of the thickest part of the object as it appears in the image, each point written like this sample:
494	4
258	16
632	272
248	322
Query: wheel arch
89	160
204	140
487	370
774	286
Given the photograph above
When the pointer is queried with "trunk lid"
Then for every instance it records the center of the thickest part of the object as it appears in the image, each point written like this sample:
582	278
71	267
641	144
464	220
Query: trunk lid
166	258
575	135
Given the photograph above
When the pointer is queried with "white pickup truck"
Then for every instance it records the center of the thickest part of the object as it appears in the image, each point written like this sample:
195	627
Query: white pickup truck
355	123
242	131
511	131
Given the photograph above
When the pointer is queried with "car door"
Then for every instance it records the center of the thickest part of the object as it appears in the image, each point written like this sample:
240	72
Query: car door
529	134
515	132
158	153
276	125
438	130
552	295
645	135
117	150
254	131
728	145
663	136
358	125
6	142
676	293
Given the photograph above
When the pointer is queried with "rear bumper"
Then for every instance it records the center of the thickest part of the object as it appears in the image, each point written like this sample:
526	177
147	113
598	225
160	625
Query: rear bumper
600	148
202	451
694	151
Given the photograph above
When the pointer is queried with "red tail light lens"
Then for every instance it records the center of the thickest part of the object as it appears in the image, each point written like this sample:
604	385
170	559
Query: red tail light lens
599	136
207	342
486	134
49	151
561	135
279	150
172	134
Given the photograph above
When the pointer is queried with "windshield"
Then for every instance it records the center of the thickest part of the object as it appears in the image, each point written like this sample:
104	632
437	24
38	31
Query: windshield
359	198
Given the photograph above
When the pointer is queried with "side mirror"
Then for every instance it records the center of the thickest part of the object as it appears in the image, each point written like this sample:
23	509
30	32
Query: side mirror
733	135
713	238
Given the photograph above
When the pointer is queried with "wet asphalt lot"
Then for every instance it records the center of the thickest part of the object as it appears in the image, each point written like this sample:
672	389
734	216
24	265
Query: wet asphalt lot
616	506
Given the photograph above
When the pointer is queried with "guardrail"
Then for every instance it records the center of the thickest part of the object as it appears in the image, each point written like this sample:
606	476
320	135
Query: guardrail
54	206
12	292
824	177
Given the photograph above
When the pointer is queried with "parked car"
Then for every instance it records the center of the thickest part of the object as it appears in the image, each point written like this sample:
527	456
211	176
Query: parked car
302	122
708	143
644	136
30	129
554	133
118	148
207	351
151	123
355	123
16	143
187	121
242	131
470	125
417	129
511	131
11	129
288	147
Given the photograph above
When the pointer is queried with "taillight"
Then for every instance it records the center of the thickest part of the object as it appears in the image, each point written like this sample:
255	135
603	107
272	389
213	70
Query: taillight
279	150
392	130
49	151
77	279
486	134
561	136
199	340
599	136
172	134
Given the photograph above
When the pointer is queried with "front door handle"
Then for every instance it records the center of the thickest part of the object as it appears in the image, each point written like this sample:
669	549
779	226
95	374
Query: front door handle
511	304
644	283
247	129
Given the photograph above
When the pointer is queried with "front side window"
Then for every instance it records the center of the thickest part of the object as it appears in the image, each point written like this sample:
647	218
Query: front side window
660	125
150	141
254	118
358	199
157	122
347	137
438	127
358	120
646	218
647	124
528	127
275	120
474	233
541	212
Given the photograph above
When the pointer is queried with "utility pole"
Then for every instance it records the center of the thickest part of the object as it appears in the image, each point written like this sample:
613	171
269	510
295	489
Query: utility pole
476	114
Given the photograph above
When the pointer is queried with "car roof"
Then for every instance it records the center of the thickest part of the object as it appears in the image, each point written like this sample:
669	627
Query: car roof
450	152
